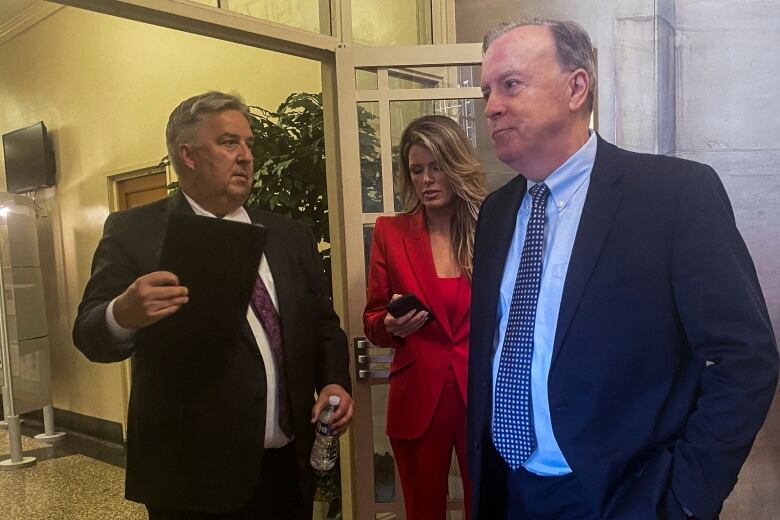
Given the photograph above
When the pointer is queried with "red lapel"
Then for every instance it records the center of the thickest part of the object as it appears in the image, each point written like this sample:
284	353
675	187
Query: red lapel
418	251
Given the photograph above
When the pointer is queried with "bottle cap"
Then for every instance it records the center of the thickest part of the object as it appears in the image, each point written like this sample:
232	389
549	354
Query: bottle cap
334	400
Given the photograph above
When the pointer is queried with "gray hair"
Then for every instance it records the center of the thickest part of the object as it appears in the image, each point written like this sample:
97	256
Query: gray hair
184	120
572	43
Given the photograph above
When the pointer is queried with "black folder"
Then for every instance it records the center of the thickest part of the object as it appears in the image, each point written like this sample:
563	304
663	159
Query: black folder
217	260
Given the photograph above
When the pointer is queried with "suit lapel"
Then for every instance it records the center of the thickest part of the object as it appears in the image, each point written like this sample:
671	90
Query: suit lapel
601	204
177	204
278	262
279	268
493	254
417	245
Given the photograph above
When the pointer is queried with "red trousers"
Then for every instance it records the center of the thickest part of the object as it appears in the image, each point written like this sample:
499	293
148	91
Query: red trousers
424	463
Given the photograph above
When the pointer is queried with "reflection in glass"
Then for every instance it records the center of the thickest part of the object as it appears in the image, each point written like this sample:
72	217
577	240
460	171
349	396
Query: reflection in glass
404	112
213	3
400	22
368	236
370	157
385	516
311	15
384	462
434	77
366	79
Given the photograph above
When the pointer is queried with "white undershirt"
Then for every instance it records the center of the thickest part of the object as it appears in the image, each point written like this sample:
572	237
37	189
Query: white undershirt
274	437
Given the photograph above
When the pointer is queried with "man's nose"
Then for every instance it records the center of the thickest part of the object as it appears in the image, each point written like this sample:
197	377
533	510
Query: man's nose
494	107
245	152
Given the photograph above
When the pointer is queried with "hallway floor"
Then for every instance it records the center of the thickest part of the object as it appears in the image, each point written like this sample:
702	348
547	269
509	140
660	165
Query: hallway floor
78	478
83	479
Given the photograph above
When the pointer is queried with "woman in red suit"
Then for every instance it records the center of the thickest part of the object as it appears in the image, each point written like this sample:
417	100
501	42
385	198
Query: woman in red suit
427	252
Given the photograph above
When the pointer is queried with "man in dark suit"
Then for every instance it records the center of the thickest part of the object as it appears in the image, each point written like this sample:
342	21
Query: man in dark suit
219	422
622	358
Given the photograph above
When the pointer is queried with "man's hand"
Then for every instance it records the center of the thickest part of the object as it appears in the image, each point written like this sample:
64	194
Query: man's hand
343	414
149	299
407	324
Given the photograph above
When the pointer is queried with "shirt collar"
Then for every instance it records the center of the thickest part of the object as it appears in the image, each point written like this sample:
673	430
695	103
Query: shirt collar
238	215
569	177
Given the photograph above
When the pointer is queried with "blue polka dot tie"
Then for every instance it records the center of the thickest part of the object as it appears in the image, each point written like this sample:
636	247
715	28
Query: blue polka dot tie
513	421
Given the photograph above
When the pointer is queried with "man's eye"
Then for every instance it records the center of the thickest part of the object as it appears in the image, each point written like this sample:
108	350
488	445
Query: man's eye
485	94
510	83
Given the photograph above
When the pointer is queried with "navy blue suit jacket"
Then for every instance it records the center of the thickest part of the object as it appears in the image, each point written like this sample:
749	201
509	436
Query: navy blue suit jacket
664	361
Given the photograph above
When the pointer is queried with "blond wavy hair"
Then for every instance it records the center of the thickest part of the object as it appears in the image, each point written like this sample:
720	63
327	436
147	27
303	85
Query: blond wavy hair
456	158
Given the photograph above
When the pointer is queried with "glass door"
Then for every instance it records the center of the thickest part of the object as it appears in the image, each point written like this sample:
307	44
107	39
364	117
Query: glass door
380	90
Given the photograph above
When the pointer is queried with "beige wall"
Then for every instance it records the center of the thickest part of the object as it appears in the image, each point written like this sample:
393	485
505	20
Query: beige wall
104	87
379	22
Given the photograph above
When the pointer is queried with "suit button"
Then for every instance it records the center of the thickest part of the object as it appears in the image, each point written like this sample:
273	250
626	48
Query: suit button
476	445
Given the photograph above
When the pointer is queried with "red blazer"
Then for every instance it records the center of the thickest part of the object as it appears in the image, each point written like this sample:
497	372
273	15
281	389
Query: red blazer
401	262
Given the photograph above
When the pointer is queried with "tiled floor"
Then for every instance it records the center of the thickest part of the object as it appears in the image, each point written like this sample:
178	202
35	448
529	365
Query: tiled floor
77	479
71	487
83	479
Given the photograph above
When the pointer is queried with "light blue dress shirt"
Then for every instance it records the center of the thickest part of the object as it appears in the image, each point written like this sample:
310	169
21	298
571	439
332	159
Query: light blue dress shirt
568	185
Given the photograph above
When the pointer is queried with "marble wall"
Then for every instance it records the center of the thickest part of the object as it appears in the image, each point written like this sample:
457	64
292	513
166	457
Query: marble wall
727	116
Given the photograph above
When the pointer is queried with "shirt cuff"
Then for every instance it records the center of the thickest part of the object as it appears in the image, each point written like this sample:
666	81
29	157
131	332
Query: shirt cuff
120	334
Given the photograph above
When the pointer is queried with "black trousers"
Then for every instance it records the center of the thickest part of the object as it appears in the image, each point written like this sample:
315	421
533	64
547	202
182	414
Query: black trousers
531	497
277	496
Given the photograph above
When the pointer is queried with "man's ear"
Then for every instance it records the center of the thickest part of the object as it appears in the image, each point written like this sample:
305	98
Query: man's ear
186	155
579	84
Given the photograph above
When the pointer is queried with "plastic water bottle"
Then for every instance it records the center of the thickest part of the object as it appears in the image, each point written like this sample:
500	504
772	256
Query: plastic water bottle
326	444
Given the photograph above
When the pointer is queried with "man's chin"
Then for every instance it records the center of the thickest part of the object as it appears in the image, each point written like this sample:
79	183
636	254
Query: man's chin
508	156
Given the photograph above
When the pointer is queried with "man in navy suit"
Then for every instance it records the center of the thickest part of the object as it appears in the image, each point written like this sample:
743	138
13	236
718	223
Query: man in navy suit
622	357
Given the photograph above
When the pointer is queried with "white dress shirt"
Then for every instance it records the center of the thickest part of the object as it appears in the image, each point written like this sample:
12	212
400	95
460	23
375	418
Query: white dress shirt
274	437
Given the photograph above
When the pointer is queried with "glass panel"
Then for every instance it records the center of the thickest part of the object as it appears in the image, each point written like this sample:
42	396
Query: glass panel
368	236
385	516
213	3
434	77
366	79
370	157
384	462
311	15
401	22
467	112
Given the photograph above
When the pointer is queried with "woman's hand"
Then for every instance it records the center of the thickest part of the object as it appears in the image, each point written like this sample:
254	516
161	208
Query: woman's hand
407	324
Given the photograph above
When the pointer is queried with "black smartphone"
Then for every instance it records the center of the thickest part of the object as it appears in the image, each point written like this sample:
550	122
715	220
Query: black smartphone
406	303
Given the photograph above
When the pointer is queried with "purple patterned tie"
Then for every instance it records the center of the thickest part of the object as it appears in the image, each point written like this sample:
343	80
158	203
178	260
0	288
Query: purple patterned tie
265	311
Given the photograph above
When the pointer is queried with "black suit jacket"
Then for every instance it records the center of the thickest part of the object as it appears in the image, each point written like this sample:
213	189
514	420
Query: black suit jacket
197	411
664	360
